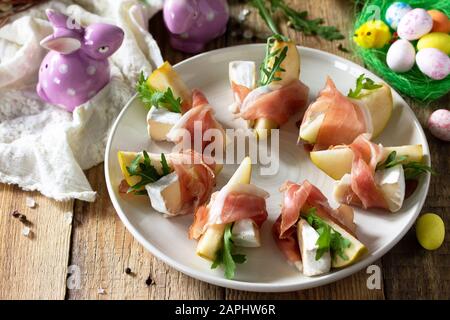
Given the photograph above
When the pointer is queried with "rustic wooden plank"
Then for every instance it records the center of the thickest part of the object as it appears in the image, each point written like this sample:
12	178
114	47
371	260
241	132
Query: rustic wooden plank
33	267
410	271
102	249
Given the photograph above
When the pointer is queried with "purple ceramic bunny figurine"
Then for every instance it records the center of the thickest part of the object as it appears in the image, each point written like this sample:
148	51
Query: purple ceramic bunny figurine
193	23
77	66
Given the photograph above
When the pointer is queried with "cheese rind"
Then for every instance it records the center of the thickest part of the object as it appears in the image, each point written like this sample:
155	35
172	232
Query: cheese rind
307	238
392	185
165	194
243	73
160	121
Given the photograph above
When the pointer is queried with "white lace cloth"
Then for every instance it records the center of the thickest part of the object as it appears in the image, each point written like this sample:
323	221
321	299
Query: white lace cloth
43	147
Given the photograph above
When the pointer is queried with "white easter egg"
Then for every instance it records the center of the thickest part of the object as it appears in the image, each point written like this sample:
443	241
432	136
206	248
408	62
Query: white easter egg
401	56
439	124
433	63
395	13
415	24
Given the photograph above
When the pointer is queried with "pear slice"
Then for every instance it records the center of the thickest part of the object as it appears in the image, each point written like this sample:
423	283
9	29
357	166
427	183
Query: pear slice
337	162
166	77
125	159
291	65
354	252
379	104
376	105
212	239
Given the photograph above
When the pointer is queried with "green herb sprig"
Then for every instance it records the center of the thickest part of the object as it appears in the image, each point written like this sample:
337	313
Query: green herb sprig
152	97
268	72
362	83
298	20
146	171
225	256
412	169
329	239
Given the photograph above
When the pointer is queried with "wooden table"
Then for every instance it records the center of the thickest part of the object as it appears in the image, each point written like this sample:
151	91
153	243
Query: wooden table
97	246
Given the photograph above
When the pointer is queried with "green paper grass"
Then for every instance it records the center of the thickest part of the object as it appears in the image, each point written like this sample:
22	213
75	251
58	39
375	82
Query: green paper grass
413	83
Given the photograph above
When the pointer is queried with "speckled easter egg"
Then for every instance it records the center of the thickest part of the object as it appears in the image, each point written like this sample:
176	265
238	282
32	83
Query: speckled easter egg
433	63
395	13
439	124
414	24
401	56
441	23
438	40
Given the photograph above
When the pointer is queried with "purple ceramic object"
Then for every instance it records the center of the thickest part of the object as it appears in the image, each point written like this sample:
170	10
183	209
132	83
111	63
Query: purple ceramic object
77	66
193	23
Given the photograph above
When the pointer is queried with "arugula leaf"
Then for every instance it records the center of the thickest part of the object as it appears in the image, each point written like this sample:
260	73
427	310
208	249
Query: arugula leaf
362	83
415	169
225	256
141	166
267	72
391	161
165	167
329	239
152	97
299	21
265	14
412	169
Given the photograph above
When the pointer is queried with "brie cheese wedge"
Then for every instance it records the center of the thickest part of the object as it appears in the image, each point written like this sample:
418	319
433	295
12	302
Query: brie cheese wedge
245	233
243	73
165	194
392	185
160	121
307	238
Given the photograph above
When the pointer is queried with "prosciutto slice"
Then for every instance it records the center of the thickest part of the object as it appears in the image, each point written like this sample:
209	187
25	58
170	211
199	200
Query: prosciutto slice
274	102
288	245
343	120
298	198
366	155
196	176
195	123
232	203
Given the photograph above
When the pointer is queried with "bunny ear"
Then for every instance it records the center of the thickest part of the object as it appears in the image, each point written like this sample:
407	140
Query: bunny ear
64	45
57	19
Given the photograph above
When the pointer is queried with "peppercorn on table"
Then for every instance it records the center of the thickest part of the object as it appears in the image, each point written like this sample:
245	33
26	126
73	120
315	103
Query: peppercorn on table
79	250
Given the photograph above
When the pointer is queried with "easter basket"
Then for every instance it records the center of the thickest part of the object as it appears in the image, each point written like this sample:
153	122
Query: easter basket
412	83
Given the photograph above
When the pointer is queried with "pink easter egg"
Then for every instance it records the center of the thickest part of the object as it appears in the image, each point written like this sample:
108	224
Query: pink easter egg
439	124
433	63
415	24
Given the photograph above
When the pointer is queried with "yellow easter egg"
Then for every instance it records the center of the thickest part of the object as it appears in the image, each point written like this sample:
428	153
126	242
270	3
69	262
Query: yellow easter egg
430	231
437	40
372	34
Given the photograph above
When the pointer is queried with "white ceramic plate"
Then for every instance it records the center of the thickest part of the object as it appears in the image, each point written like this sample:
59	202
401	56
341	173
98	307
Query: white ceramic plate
266	268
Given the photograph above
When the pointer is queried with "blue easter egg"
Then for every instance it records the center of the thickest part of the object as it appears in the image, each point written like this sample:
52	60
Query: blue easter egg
395	13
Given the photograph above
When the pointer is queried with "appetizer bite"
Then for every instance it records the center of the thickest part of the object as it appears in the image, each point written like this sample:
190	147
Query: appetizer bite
174	110
279	93
335	119
313	236
176	183
233	217
378	175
